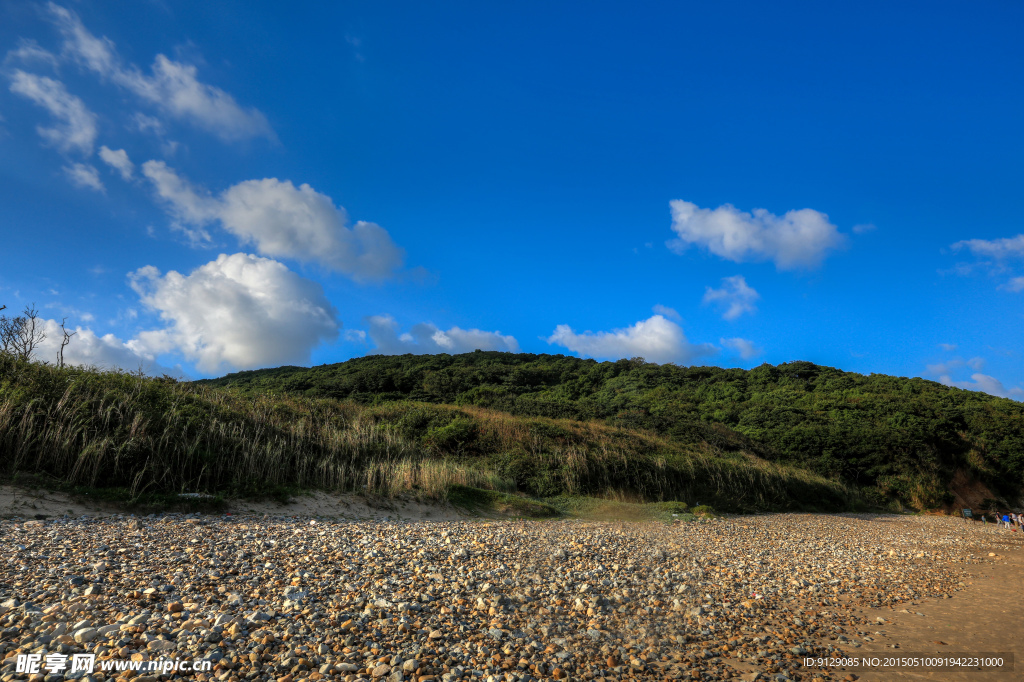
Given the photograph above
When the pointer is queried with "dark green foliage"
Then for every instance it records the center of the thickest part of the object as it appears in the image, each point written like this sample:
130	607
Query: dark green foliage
901	439
135	436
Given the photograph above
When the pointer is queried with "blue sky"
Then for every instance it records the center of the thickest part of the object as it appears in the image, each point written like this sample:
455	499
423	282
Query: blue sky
204	187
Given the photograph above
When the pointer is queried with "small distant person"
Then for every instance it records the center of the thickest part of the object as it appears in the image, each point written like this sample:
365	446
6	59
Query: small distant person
1006	520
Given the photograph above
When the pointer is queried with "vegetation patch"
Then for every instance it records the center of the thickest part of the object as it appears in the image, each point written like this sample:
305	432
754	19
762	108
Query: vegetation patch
492	502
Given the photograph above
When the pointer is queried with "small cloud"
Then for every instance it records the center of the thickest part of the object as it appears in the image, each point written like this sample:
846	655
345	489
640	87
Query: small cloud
998	249
29	52
670	313
655	339
354	335
985	384
943	368
742	347
85	176
1015	285
148	124
75	126
118	160
427	338
864	228
949	347
735	297
798	239
976	363
98	270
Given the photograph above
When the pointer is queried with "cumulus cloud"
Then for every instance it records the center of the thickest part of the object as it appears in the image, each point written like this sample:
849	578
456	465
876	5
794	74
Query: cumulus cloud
655	339
734	298
84	175
986	384
996	249
118	160
742	347
798	239
239	311
282	221
92	350
75	126
388	338
171	86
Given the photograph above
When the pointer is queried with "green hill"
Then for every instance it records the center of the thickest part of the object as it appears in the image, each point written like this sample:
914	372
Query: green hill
898	440
795	436
135	436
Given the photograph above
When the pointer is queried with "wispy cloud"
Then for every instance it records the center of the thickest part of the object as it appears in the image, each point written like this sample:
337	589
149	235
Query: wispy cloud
388	338
998	249
742	347
118	160
986	384
735	297
670	313
75	126
171	86
84	175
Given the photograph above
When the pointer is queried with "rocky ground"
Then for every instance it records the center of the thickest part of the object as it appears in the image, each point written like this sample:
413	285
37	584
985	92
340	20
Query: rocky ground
290	599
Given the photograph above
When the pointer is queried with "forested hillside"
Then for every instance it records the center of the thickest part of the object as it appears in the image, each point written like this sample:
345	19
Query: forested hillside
895	438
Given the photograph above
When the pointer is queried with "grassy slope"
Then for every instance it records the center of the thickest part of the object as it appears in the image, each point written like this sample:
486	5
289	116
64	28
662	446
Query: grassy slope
147	435
900	440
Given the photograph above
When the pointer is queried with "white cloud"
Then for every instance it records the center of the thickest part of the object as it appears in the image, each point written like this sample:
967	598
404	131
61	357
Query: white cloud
1015	285
172	86
986	384
948	346
84	175
655	339
118	160
735	297
864	228
282	221
88	348
742	347
427	338
798	239
670	313
998	249
239	311
29	52
75	127
943	368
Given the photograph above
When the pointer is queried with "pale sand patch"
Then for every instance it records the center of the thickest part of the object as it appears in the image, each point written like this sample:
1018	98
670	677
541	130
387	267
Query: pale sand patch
28	503
984	617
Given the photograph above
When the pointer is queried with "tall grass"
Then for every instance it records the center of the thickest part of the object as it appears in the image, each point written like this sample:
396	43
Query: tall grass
108	429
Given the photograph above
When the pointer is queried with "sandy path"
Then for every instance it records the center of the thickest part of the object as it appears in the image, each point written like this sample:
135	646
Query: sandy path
28	504
985	617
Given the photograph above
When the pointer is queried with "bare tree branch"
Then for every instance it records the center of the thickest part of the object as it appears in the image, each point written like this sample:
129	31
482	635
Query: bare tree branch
64	342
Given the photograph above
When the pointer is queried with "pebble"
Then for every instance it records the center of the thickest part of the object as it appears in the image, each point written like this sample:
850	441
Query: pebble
288	600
